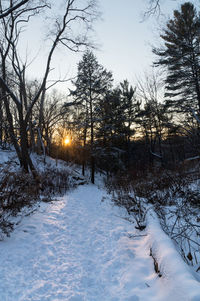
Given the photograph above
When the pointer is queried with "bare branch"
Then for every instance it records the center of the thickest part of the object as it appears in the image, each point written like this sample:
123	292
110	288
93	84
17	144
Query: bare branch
153	8
12	8
55	82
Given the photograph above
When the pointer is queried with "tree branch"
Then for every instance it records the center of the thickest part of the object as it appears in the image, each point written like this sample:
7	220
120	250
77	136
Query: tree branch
12	8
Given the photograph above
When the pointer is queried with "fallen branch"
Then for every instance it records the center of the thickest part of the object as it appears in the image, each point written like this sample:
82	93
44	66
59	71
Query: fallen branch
156	268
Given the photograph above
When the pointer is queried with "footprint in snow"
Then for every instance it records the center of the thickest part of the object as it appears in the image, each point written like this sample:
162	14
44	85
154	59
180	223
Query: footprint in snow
29	229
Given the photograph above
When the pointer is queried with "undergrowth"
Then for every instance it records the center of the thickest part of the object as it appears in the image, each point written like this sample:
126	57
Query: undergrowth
19	190
175	197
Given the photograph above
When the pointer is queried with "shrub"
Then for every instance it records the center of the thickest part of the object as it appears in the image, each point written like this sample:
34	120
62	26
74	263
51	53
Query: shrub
19	190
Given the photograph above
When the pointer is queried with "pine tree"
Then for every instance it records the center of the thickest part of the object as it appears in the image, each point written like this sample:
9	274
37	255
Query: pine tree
109	133
116	127
180	58
130	106
91	85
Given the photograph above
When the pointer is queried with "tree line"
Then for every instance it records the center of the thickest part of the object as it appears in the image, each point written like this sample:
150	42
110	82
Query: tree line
154	122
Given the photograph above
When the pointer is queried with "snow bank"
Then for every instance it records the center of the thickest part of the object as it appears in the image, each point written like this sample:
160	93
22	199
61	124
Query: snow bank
176	279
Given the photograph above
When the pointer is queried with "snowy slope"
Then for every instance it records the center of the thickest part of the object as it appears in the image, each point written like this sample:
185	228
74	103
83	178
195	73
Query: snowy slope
177	280
80	248
6	156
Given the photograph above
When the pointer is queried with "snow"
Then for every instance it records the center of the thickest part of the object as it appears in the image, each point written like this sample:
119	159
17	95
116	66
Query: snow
82	248
6	156
177	280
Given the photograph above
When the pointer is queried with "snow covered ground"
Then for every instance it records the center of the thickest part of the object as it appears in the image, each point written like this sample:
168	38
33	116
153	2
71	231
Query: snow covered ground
6	156
80	248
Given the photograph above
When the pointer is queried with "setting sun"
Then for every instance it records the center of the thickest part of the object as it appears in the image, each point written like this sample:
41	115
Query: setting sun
67	141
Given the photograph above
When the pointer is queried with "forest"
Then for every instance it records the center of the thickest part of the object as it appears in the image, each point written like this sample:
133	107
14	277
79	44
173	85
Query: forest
135	127
142	137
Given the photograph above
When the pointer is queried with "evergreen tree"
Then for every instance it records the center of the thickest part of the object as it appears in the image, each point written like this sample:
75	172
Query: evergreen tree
111	131
116	127
180	57
91	85
130	106
111	117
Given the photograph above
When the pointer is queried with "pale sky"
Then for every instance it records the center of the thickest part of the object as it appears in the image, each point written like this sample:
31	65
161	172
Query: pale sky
125	42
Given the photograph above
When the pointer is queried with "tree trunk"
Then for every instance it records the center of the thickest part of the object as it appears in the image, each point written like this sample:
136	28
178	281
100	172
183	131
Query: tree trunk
11	131
83	151
1	123
26	160
92	169
92	160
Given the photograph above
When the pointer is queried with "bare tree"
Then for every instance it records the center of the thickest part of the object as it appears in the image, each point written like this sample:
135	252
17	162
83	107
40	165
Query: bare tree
53	117
152	118
12	71
75	13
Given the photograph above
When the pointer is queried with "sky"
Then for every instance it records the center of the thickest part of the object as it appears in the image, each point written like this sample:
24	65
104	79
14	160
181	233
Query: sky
125	47
127	39
124	41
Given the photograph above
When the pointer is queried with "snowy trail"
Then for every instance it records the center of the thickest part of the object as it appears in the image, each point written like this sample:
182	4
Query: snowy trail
76	249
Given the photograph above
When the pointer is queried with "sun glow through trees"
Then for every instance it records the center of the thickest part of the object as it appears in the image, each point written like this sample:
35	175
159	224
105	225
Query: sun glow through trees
66	141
